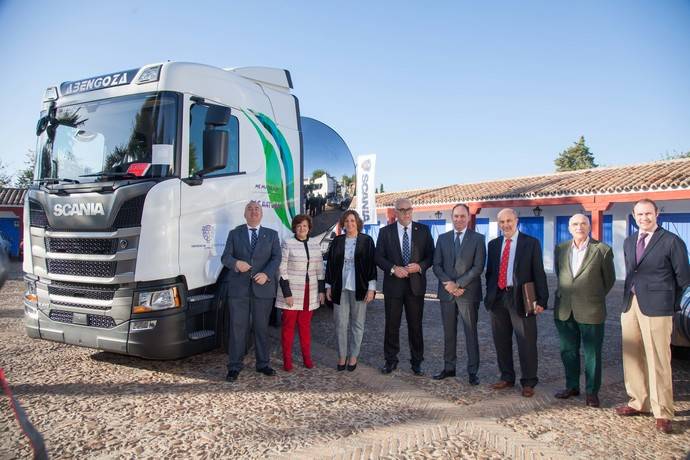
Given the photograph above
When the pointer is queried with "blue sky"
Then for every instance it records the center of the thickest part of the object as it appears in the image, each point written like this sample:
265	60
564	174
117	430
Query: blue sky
441	92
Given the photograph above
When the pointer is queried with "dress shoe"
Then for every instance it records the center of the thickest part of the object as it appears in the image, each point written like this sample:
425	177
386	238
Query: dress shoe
341	367
567	393
663	425
443	374
417	370
351	367
268	370
473	379
388	368
232	376
627	411
527	391
592	400
502	384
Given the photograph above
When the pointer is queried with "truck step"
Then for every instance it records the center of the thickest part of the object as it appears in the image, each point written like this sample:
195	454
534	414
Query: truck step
200	297
202	334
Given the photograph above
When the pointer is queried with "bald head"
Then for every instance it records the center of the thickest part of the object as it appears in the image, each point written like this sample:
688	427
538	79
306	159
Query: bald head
507	222
253	213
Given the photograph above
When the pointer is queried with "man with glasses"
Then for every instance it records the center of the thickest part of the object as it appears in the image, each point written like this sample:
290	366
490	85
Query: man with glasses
252	256
404	251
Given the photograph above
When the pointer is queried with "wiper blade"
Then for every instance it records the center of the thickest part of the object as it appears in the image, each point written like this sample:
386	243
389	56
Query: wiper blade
56	180
107	175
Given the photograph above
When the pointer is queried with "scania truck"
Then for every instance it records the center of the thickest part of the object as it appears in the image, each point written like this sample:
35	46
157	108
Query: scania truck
140	174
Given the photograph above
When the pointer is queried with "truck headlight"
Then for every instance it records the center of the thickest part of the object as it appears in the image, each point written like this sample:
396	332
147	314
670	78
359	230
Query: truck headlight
157	300
30	293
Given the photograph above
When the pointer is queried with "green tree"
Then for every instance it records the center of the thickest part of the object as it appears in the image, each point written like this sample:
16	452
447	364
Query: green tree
675	155
26	176
317	173
381	188
576	157
5	178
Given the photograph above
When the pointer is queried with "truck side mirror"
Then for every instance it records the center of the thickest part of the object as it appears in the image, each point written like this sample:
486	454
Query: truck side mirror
215	150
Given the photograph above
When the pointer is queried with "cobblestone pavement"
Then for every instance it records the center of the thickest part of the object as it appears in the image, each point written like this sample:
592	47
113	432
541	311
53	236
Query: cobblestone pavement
89	403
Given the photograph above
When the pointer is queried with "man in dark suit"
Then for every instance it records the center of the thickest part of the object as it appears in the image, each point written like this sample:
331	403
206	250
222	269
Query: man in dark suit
585	271
404	251
656	273
458	264
513	260
252	256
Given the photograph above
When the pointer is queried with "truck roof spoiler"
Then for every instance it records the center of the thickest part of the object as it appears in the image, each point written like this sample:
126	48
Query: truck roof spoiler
269	75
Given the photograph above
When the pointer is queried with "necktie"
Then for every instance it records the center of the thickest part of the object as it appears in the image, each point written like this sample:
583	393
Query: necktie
456	244
503	270
405	247
639	251
254	239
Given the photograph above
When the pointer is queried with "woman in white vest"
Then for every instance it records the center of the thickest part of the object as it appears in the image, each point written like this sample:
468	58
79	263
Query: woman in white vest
301	288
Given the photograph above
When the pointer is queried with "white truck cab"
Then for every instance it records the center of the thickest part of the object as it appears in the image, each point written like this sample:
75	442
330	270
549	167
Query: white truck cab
140	175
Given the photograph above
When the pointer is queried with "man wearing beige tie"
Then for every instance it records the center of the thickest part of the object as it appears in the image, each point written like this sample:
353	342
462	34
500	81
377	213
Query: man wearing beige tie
656	273
585	272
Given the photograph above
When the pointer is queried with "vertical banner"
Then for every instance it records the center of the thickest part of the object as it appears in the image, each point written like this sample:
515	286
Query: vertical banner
366	188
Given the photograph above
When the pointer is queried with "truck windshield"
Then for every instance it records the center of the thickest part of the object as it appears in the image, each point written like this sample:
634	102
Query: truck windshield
123	137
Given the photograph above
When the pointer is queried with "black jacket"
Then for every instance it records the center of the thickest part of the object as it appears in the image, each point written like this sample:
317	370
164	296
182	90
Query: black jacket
365	266
388	254
660	277
528	266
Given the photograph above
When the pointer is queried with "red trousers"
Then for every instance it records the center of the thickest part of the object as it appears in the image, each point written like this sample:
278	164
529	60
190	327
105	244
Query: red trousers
301	318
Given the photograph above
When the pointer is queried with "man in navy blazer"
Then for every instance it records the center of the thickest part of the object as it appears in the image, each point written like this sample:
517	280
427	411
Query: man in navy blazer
656	273
459	260
513	260
252	256
404	251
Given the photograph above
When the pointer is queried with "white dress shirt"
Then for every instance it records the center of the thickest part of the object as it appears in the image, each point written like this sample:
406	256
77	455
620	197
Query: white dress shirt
577	256
249	232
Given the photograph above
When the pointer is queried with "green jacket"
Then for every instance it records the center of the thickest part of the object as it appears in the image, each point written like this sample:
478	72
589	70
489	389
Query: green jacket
584	293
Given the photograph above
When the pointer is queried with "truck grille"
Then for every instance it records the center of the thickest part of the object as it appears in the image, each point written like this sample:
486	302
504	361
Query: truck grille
37	216
101	321
67	304
82	245
84	291
130	213
90	268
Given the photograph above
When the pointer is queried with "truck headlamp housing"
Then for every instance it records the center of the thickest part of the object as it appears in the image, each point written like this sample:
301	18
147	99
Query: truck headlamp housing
150	74
148	301
30	293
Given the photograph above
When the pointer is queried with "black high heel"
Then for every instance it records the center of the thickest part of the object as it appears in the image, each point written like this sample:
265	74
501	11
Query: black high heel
341	367
351	367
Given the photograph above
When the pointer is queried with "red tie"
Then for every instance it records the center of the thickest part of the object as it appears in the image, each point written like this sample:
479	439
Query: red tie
503	270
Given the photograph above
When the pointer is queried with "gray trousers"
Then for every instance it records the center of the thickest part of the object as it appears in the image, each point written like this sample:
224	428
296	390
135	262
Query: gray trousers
504	322
468	312
241	310
349	317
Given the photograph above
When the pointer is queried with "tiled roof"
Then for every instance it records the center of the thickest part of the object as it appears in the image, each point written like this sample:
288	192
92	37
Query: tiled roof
12	196
656	176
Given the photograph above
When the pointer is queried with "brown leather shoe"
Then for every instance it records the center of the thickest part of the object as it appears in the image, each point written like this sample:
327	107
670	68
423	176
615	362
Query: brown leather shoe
527	392
567	393
592	400
502	385
663	425
627	411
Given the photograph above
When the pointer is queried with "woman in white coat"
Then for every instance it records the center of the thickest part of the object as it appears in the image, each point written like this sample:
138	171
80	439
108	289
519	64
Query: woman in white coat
301	290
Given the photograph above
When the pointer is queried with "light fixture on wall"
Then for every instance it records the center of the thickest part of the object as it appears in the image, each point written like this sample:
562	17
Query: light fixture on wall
438	214
537	211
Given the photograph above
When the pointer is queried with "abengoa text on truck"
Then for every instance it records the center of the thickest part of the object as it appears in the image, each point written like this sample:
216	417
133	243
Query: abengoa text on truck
140	175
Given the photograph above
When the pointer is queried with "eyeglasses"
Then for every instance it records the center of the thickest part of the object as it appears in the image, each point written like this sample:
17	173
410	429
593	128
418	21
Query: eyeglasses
404	209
